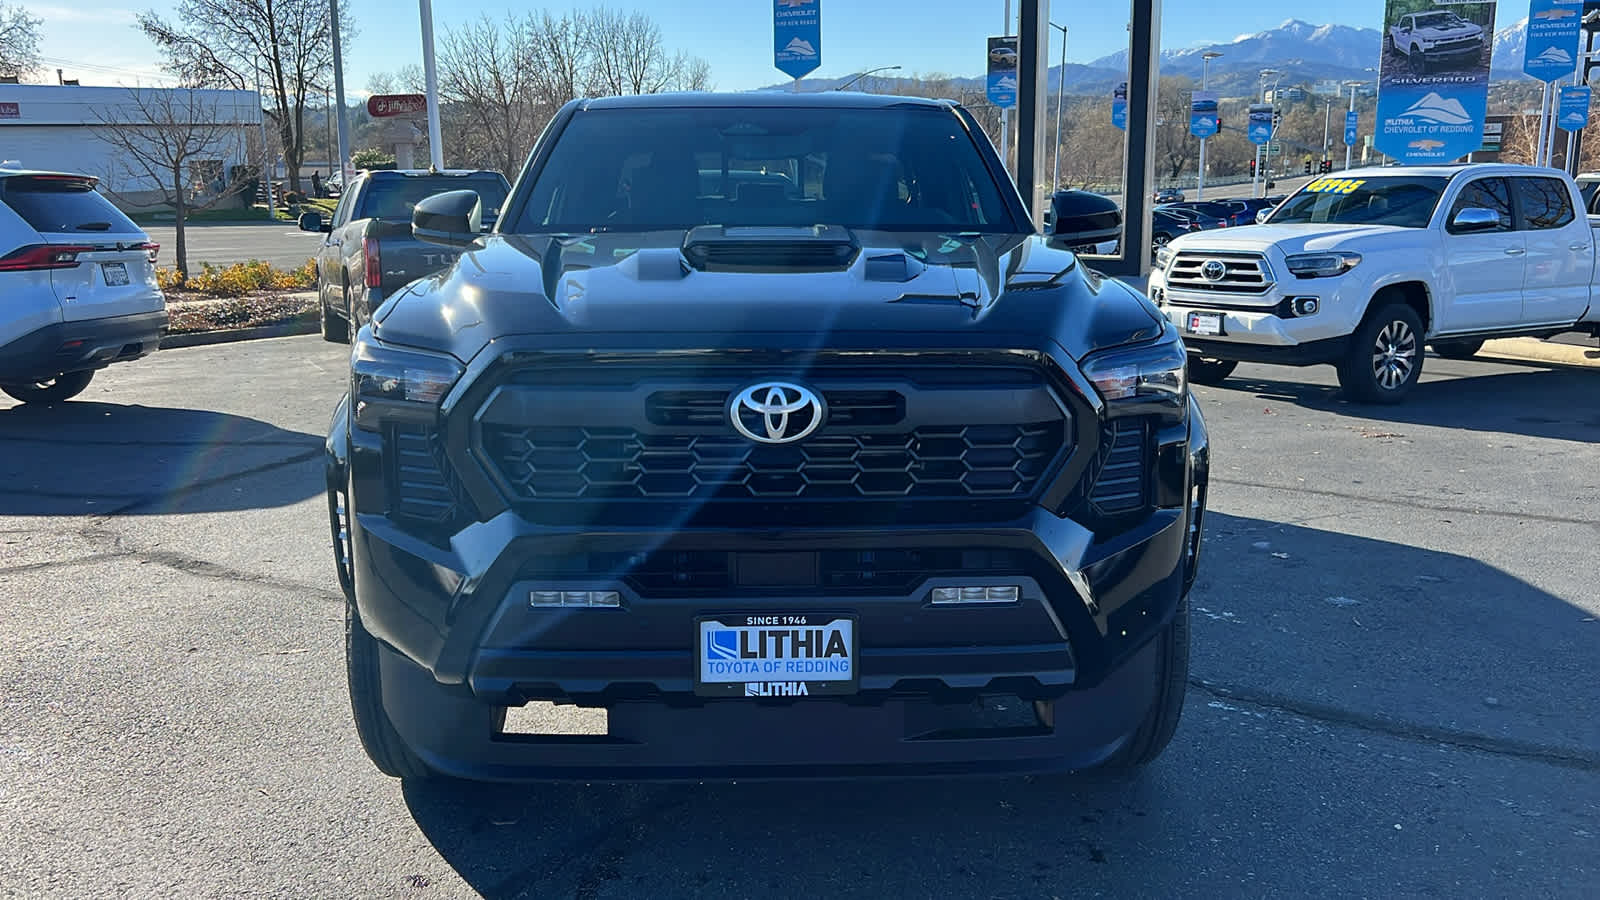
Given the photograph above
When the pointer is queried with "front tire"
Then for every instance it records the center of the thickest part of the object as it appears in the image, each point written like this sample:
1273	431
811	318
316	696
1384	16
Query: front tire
1161	722
1457	349
382	743
54	390
1385	357
1210	371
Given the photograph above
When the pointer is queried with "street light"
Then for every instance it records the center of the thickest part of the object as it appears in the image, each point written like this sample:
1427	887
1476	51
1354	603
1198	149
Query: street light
1266	74
1205	65
863	75
1061	90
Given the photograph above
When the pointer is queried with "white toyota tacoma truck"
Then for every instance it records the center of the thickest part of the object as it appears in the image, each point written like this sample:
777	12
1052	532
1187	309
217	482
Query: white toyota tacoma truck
1363	269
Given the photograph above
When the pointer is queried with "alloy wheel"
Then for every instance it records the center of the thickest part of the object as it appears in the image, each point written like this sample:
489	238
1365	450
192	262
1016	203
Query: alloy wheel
1394	355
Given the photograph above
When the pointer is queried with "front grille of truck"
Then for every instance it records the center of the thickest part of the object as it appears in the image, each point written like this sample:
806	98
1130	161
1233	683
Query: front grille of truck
941	462
1462	46
648	446
1243	273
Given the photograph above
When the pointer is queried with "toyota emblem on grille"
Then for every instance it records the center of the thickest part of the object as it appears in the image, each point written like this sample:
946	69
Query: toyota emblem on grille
1214	270
775	412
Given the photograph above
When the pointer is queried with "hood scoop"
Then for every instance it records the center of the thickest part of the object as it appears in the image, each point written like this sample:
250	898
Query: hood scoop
816	248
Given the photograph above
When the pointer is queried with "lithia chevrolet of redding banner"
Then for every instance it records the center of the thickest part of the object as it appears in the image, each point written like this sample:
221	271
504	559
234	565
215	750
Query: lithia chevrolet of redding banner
1433	83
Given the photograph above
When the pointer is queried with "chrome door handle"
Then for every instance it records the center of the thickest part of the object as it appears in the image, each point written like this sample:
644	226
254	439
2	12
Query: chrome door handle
1577	246
1515	251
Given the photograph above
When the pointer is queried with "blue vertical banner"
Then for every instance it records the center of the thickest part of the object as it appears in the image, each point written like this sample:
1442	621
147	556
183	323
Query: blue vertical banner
1203	114
1352	122
1260	123
1433	82
1002	81
1552	45
797	36
1573	112
1119	106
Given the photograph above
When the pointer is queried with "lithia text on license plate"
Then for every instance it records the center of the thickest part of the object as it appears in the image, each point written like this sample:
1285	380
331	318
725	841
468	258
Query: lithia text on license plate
776	655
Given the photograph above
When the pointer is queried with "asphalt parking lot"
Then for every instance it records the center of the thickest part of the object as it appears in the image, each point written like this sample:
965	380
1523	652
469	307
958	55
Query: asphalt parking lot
1394	692
279	243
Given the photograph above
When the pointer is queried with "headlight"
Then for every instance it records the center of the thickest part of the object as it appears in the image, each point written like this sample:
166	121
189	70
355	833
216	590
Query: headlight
1322	265
387	382
1150	374
1163	256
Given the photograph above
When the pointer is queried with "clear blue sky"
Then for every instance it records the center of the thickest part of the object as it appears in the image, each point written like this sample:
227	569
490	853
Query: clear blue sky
96	40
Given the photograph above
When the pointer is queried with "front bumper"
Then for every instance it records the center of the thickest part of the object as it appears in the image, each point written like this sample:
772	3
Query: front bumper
63	347
462	642
1266	328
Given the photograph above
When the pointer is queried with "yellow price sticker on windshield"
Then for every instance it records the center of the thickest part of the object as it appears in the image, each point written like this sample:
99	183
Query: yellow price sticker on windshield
1334	186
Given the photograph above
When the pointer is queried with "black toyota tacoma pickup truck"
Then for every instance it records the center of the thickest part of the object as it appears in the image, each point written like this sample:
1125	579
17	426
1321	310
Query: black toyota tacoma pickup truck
769	425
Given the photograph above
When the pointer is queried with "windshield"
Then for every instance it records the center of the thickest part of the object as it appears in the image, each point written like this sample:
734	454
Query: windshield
1402	201
900	169
1437	20
393	198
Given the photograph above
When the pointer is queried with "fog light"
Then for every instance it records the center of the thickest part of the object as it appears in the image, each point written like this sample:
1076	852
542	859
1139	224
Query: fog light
1306	306
575	598
951	596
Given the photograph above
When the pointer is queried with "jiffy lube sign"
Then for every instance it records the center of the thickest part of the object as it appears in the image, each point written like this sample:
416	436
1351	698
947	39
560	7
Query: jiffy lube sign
1433	82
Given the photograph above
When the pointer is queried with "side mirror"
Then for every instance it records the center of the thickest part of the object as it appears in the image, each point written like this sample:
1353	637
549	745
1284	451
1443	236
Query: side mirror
312	221
1080	217
452	219
1474	219
1262	215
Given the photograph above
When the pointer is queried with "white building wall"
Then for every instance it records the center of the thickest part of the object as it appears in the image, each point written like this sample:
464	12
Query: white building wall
56	127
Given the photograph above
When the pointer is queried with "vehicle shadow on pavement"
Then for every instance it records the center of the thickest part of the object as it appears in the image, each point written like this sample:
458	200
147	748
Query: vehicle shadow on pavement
1548	403
105	458
1328	669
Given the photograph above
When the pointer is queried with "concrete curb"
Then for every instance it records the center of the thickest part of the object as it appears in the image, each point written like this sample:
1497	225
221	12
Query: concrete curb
307	324
1535	350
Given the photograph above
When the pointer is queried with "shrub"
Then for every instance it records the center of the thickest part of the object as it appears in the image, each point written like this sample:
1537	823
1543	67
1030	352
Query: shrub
239	279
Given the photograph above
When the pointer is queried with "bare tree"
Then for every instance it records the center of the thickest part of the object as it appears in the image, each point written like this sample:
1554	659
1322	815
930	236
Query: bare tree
628	55
488	71
226	43
19	40
560	57
180	142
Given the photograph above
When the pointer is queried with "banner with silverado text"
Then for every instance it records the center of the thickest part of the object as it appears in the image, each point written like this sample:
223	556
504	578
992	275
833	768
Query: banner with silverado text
1433	82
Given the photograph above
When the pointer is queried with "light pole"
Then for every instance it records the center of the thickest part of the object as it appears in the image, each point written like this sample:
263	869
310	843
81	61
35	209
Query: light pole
342	133
430	75
863	75
1061	90
1327	119
1350	147
1205	65
1255	186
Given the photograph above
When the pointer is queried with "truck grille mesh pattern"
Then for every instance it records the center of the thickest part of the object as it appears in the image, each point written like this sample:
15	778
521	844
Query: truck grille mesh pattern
938	462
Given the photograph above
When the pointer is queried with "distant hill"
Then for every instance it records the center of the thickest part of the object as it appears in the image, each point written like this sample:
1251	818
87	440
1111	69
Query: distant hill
1303	52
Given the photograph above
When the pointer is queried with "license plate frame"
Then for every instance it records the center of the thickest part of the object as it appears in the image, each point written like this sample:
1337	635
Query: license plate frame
1203	324
768	681
115	274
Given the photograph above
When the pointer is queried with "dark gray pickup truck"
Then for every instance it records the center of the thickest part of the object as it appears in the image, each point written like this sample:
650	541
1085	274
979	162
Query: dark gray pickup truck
369	252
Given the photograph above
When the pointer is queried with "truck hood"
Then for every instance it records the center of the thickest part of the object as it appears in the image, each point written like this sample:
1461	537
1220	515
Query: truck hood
1298	238
639	288
1450	33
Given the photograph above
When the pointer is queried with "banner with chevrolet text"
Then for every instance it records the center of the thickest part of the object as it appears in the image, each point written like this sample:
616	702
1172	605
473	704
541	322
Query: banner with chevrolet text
1433	82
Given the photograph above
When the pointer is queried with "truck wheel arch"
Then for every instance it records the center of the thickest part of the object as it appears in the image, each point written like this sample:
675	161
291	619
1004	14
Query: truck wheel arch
1414	294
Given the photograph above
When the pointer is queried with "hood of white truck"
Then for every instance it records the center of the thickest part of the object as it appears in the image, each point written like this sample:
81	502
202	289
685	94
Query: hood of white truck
1300	238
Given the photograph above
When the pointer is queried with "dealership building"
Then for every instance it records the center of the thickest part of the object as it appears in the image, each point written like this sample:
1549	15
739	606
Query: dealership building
64	128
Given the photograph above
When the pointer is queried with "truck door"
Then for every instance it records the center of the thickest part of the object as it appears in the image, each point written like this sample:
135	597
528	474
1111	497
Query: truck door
1560	258
1484	266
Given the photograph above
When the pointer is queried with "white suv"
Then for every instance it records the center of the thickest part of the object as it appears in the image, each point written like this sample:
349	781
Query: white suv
79	282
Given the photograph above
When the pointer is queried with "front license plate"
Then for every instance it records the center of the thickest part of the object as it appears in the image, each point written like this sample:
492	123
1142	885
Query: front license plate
783	655
116	273
1204	323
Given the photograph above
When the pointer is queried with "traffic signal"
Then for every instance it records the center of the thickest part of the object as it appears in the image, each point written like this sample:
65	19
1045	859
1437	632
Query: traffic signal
1252	168
1327	166
1308	167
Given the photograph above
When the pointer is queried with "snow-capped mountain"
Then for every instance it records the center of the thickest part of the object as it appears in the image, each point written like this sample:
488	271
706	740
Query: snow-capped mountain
1294	43
1510	44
